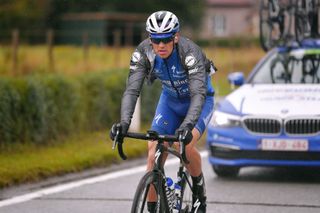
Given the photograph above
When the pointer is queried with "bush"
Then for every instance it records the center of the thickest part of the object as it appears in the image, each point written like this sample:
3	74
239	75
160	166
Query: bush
41	108
64	105
11	122
35	112
102	92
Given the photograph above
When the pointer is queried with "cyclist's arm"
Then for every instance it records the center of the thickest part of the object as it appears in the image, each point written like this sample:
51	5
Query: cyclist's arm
137	74
198	89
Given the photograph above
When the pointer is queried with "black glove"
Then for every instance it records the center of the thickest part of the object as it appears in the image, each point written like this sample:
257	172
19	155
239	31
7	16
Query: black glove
121	127
184	135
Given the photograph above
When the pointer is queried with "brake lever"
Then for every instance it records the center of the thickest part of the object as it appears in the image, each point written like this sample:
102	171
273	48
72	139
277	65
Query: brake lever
183	150
115	140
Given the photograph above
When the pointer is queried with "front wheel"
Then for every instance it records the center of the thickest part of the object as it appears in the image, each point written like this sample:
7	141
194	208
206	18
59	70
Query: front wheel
226	171
186	193
150	182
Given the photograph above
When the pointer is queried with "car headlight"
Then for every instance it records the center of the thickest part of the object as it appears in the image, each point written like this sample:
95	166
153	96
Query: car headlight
221	119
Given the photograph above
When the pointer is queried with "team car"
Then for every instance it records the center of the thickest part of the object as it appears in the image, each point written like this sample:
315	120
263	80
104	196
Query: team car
273	117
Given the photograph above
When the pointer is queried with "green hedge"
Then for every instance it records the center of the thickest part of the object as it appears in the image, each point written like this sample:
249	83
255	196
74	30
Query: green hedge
41	108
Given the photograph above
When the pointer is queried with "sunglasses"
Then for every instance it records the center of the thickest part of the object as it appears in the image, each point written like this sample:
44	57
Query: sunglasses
163	40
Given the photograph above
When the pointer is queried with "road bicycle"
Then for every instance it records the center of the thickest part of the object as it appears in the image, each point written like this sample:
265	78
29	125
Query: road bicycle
286	68
167	200
283	22
306	19
282	68
275	23
311	69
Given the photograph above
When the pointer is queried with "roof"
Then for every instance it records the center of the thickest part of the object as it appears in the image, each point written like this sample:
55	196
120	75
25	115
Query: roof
231	3
105	16
309	46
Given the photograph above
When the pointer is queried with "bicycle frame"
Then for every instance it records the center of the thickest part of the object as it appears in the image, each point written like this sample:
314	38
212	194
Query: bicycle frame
159	166
159	177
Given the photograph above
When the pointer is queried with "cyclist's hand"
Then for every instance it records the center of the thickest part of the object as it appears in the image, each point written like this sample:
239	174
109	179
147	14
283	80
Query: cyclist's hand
184	135
121	127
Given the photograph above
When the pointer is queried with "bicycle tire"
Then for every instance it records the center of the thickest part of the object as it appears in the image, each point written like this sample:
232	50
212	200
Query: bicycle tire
279	70
186	193
302	28
311	68
265	26
270	32
139	204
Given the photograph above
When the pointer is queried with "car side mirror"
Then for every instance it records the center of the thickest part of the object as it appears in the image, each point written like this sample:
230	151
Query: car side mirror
236	79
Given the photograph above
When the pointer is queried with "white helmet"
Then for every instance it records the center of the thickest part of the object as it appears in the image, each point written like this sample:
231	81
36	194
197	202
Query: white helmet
162	22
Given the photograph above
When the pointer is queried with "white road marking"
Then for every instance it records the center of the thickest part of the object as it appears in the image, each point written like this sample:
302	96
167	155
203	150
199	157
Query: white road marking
79	183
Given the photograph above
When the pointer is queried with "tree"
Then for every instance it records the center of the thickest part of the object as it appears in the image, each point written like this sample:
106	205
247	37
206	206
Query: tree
189	11
28	15
23	14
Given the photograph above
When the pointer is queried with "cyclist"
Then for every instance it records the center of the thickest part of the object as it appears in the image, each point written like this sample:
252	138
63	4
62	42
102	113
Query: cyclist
186	102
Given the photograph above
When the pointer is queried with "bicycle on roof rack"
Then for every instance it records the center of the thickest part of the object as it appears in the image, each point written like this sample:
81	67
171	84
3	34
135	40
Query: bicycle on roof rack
285	21
167	200
275	23
285	67
306	19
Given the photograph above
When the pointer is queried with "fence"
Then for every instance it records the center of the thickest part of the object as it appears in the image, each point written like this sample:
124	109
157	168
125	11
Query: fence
18	47
51	38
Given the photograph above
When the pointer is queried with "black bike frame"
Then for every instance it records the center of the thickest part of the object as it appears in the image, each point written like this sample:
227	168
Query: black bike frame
161	148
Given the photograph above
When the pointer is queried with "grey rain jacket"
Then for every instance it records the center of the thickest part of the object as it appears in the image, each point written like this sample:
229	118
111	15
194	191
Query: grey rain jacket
193	61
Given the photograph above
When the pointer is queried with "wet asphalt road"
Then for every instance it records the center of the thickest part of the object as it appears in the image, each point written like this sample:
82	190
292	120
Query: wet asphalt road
255	190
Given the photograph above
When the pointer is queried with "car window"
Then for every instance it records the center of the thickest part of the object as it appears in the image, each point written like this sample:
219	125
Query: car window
281	68
262	76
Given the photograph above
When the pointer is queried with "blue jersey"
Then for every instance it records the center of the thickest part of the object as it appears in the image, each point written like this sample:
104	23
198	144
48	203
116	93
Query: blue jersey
175	98
173	77
186	84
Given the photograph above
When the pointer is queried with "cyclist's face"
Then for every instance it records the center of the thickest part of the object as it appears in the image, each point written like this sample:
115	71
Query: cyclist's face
164	48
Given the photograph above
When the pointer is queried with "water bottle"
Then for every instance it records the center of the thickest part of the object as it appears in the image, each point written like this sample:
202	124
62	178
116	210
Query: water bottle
177	194
170	192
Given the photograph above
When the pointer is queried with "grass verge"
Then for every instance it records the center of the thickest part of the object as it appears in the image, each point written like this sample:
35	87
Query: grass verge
21	163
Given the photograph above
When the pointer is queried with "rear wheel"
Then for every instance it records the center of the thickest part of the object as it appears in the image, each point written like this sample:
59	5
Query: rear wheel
140	202
226	171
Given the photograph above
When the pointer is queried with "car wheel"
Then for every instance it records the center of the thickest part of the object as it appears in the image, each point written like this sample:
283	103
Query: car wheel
226	171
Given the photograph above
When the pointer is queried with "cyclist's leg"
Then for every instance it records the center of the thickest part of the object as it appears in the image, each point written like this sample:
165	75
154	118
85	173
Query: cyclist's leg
195	170
165	120
193	155
152	195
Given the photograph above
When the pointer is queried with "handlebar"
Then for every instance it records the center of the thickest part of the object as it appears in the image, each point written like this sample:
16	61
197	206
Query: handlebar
150	136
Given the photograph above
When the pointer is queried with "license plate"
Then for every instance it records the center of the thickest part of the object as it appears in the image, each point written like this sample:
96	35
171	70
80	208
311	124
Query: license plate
284	144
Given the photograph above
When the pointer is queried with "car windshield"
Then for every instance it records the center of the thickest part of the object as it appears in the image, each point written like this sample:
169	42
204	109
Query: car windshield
298	66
